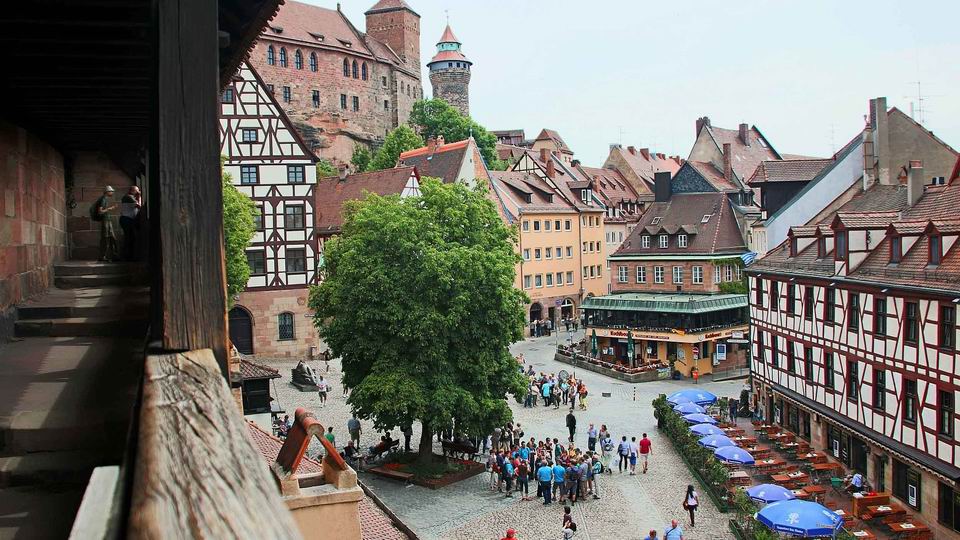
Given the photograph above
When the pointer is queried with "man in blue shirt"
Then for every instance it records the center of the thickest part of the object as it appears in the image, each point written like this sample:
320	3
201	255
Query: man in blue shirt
545	390
558	472
673	532
508	477
544	475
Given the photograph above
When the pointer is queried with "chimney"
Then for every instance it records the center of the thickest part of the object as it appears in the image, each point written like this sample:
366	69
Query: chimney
661	157
661	186
678	159
702	121
431	144
727	161
745	134
551	168
544	155
575	163
881	141
645	152
632	150
914	182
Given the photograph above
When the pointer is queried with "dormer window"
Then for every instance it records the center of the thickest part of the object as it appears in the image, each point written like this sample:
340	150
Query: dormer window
664	241
645	241
840	253
656	220
793	247
896	249
821	247
936	249
706	218
585	195
682	240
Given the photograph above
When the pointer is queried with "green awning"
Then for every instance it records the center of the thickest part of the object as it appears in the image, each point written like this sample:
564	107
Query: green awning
667	302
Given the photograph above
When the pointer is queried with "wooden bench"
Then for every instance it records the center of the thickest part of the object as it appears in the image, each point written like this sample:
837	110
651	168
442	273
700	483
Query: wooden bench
459	449
374	454
390	473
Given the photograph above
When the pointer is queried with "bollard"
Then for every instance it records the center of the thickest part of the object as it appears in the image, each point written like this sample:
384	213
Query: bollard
634	393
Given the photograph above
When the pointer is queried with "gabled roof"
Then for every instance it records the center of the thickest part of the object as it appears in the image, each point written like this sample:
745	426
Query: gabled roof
714	176
611	185
331	192
746	158
251	371
525	192
554	137
442	161
645	163
720	234
385	6
315	25
797	170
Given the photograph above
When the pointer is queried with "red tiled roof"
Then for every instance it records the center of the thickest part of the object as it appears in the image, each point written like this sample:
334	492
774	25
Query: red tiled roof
509	151
611	185
646	164
331	193
525	192
439	149
713	175
444	162
250	370
745	158
685	211
866	220
553	136
308	23
449	56
390	5
448	36
798	170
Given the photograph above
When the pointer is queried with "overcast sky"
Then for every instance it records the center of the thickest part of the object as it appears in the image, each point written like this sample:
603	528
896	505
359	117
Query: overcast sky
640	72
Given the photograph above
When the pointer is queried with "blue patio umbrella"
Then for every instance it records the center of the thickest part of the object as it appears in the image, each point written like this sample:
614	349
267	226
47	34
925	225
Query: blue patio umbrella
733	454
688	407
768	493
800	518
699	418
716	441
700	397
706	429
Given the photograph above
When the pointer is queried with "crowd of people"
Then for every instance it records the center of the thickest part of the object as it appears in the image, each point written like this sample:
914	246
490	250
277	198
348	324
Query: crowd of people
555	389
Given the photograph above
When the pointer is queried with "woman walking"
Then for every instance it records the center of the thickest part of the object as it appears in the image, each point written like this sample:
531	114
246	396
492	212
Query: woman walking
690	503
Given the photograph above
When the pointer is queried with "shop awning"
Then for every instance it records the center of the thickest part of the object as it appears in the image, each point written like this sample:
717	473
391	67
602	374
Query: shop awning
667	302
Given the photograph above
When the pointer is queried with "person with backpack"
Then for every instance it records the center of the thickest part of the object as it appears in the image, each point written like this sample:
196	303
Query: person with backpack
595	473
99	211
508	472
624	452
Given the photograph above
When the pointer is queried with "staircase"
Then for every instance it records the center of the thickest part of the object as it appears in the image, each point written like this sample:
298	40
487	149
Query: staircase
67	390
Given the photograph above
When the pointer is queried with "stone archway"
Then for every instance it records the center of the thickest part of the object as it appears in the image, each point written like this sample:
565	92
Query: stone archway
241	329
536	311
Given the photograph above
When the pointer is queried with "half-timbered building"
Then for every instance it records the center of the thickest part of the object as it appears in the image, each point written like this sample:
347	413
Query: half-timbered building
269	162
854	333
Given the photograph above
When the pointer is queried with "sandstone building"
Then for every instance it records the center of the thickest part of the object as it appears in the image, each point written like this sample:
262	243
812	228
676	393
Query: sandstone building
340	86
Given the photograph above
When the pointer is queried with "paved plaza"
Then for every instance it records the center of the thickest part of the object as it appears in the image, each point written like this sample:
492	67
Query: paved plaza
629	505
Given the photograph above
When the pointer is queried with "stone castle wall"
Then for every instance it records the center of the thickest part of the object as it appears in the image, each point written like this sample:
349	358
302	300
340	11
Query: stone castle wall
266	306
452	86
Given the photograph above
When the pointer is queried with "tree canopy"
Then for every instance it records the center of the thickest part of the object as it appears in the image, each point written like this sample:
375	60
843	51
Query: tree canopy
238	229
361	158
325	169
435	117
419	304
398	141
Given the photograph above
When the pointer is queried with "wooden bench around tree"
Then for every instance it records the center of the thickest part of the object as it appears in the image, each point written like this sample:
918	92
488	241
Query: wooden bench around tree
464	450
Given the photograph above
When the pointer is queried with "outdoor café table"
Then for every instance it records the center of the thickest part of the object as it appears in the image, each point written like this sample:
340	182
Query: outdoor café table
864	499
731	431
908	527
739	478
815	491
813	457
789	478
888	509
828	466
769	463
744	440
800	494
844	514
863	535
758	452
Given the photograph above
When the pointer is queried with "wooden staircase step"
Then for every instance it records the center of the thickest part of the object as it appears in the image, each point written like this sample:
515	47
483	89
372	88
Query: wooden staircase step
85	268
93	280
116	325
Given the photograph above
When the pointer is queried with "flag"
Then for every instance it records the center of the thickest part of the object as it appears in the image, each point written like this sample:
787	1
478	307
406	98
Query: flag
748	258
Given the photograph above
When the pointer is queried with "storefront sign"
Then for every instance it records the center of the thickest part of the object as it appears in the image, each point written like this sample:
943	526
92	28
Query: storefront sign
721	351
667	336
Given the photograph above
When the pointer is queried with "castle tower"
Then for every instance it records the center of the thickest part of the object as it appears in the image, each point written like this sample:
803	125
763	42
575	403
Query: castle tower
393	22
450	73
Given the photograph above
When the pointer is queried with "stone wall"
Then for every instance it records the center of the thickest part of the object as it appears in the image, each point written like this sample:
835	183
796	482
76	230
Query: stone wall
266	306
33	224
452	86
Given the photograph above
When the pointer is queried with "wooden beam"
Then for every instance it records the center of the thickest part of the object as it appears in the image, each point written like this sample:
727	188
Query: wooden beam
197	473
190	188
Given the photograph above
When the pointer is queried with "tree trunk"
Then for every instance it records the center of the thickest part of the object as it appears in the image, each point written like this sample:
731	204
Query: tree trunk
425	451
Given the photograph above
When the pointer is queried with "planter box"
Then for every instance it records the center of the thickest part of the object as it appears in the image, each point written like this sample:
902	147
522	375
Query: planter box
644	376
472	469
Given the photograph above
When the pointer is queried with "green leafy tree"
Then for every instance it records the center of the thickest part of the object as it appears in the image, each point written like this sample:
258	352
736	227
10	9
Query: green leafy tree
419	303
361	158
325	169
238	229
434	117
397	142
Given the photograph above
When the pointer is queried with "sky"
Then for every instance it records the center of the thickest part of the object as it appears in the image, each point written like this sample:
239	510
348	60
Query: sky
640	73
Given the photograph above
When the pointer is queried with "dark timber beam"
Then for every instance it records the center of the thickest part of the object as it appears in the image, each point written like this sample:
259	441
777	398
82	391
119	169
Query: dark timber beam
188	175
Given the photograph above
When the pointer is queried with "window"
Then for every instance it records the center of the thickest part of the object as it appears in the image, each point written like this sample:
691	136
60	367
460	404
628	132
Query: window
821	247
949	509
549	280
227	95
570	277
841	251
270	88
286	94
356	103
271	59
315	98
791	299
645	241
698	275
293	216
285	325
727	272
879	389
526	254
759	350
945	413
828	370
547	225
593	271
656	220
910	400
346	67
641	274
296	260
896	249
355	70
569	252
808	364
906	484
853	374
567	224
947	327
559	279
295	174
559	253
911	323
808	303
343	101
853	316
774	350
793	247
313	62
584	272
622	272
678	274
880	316
386	104
538	280
936	250
363	71
548	253
791	357
536	226
658	274
248	174
526	225
556	225
829	305
248	135
664	241
283	57
383	81
585	197
298	59
774	295
526	282
717	278
758	293
258	218
257	261
682	240
537	254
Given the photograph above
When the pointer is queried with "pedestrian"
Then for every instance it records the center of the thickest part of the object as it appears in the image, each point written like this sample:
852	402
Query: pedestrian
645	451
501	463
495	438
571	424
570	483
407	434
523	479
652	535
634	450
690	503
353	428
734	406
673	532
568	532
549	326
99	211
544	476
558	477
583	396
508	471
567	517
623	450
533	329
511	535
595	473
545	390
322	388
592	438
331	437
129	212
492	469
556	396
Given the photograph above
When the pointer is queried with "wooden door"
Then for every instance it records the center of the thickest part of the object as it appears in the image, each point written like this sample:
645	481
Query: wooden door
241	330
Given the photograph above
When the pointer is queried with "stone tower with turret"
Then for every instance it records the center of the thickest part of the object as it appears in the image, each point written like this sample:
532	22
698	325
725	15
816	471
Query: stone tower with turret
395	23
450	73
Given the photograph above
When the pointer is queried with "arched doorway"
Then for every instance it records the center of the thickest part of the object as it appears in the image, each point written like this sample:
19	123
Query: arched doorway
536	311
566	309
241	329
